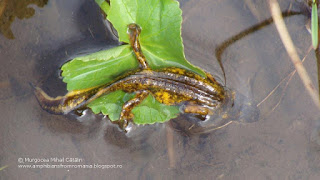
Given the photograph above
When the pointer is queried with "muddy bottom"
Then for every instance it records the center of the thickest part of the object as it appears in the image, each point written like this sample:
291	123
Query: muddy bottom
283	144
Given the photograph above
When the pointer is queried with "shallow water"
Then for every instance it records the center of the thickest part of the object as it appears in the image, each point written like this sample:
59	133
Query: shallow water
281	145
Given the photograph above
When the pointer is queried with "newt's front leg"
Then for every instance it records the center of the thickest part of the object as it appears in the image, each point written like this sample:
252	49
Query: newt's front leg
126	115
134	32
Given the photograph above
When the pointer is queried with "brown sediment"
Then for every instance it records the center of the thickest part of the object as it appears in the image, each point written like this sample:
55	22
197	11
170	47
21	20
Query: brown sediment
3	5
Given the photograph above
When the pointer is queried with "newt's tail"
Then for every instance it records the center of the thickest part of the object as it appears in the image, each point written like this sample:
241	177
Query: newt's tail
52	105
63	104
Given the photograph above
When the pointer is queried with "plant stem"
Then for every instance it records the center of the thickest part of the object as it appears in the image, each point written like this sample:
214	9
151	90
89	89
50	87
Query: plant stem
287	42
314	25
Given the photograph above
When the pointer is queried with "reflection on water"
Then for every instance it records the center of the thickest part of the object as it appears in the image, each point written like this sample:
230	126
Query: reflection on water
10	9
276	147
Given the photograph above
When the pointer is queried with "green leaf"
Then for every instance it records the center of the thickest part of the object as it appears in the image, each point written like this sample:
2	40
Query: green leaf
160	38
103	5
98	68
161	42
150	111
314	25
110	104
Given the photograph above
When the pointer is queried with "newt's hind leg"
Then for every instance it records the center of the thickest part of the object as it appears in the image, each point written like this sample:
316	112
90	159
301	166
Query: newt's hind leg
197	109
126	115
134	32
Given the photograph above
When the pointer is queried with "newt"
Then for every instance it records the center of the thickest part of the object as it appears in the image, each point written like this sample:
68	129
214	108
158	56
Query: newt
170	86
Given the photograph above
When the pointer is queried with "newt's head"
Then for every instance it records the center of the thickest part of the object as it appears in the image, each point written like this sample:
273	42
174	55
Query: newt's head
134	31
241	108
235	108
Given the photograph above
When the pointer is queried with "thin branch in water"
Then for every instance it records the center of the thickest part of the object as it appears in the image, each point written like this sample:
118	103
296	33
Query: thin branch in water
275	88
171	154
287	42
224	45
282	94
289	80
212	128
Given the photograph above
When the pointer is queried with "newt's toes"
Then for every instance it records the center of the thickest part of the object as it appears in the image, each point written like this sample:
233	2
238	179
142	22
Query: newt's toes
122	123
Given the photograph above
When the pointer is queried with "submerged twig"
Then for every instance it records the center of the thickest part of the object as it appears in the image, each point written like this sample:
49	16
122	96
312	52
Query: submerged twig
271	92
278	85
224	45
282	94
287	42
172	160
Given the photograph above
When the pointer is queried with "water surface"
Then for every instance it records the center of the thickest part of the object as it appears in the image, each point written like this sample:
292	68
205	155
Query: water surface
278	146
